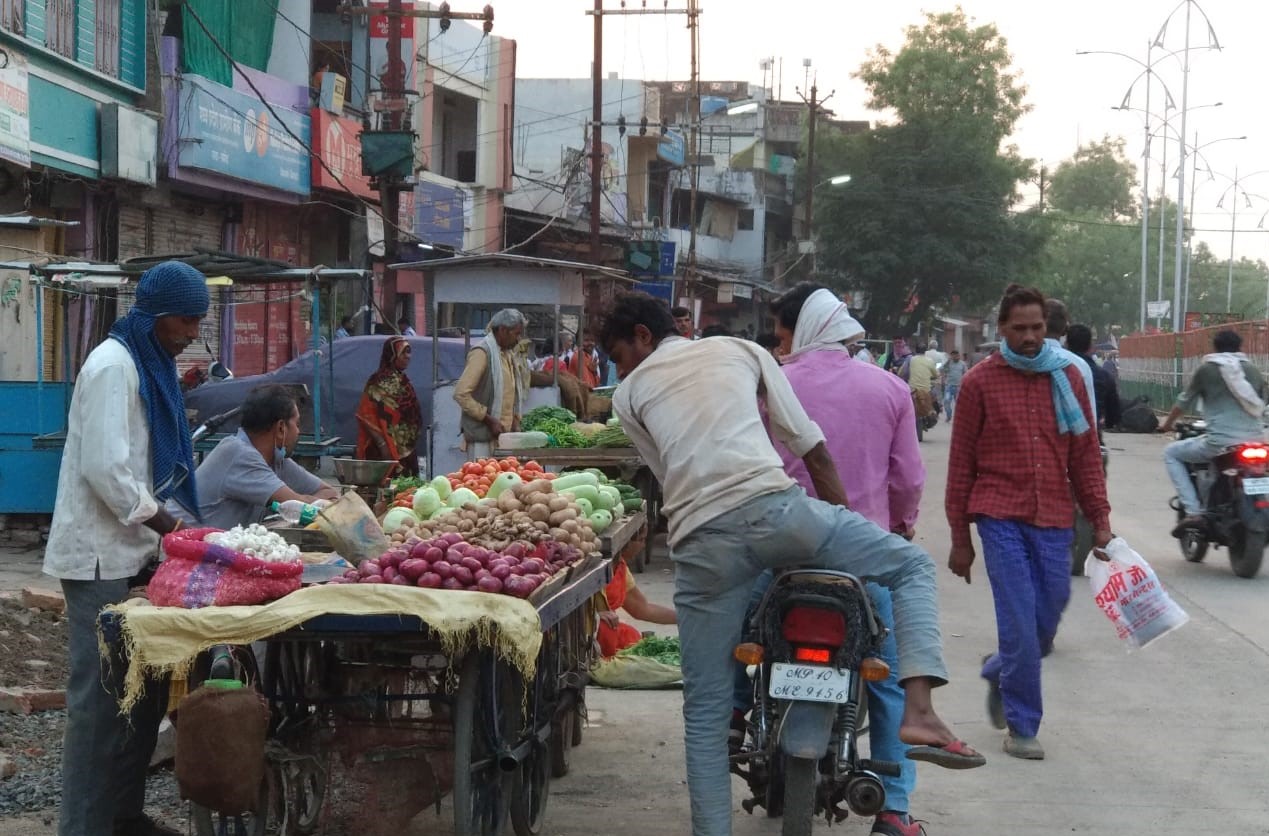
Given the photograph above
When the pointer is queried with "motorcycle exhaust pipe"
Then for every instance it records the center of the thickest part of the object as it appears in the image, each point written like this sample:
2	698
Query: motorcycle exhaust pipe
865	796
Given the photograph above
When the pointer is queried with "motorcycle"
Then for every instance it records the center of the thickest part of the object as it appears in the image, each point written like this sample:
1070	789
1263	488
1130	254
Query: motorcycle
1233	490
812	640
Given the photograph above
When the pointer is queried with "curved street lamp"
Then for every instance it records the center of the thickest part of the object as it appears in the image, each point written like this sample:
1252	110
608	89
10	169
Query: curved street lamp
1235	186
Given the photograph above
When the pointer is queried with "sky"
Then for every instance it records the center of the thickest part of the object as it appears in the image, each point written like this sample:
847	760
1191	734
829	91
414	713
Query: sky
1071	96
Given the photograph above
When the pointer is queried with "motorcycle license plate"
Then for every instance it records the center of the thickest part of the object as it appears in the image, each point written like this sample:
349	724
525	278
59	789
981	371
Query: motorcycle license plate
1257	486
811	683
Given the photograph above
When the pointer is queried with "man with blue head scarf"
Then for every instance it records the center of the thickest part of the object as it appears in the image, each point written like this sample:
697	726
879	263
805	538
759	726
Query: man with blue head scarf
128	451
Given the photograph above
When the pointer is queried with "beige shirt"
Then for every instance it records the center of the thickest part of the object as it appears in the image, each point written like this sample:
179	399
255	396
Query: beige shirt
691	409
477	364
104	490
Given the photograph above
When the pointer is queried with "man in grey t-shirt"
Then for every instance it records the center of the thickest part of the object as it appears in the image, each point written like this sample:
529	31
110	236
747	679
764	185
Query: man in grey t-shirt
247	471
1232	392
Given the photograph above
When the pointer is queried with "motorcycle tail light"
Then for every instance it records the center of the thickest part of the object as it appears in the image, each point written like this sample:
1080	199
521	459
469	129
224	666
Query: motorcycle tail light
814	626
1254	453
818	655
748	653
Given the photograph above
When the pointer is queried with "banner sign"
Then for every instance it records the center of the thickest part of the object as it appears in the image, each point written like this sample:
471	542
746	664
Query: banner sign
234	134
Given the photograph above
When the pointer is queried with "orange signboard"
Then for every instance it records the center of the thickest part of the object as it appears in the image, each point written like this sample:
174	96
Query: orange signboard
337	143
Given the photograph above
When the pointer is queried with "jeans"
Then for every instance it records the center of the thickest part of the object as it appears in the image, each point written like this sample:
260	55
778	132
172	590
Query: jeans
716	566
949	399
885	700
1030	573
105	754
1175	456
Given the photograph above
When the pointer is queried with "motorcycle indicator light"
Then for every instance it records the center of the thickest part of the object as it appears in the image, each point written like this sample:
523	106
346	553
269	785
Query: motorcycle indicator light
873	669
748	653
818	655
1254	453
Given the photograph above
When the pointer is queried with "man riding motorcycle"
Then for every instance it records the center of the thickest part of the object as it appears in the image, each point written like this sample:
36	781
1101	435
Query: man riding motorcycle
1233	395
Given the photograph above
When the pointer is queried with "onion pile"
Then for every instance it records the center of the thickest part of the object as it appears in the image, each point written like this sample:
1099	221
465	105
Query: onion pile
447	561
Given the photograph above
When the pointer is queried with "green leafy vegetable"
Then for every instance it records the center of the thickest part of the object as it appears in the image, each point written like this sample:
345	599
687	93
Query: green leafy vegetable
536	417
665	650
404	483
611	437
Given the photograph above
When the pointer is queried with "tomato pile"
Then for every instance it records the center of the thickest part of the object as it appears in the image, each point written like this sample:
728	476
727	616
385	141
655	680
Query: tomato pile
477	476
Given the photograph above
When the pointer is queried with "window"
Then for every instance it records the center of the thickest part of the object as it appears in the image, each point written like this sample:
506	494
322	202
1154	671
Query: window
59	27
11	16
744	222
454	132
107	60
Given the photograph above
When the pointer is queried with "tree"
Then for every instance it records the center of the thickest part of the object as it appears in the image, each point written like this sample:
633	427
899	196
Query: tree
1099	179
926	220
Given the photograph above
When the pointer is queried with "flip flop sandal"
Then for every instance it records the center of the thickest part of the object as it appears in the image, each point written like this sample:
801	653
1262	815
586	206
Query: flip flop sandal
956	755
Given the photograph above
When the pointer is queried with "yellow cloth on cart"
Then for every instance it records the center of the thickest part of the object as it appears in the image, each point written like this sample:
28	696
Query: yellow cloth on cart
166	640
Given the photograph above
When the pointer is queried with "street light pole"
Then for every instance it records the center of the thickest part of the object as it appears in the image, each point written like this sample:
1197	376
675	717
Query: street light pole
1177	314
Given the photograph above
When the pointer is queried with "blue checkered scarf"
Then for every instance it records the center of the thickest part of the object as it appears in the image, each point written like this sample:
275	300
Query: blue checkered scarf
168	289
1070	415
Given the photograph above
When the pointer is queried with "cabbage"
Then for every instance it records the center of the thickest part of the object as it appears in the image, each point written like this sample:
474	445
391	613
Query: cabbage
504	481
426	500
395	517
442	487
461	497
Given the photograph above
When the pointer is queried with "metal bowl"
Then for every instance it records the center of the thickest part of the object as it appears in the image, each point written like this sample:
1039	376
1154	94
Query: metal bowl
362	473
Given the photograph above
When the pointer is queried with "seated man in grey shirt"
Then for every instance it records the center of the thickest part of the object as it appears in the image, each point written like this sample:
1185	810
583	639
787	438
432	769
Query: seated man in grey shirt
249	470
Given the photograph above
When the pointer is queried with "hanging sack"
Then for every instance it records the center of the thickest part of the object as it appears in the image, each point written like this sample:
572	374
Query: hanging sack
1132	596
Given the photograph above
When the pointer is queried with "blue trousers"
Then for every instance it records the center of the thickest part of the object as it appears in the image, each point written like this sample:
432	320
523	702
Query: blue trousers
1030	573
885	700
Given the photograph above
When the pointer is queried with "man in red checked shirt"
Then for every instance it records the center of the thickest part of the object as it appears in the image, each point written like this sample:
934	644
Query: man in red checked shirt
1023	435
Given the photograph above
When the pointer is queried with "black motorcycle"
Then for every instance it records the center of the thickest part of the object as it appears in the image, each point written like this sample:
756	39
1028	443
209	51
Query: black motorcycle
812	639
1233	490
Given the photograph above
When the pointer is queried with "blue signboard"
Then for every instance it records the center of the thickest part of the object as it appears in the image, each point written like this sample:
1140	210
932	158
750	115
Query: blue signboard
673	148
650	258
439	214
231	133
661	290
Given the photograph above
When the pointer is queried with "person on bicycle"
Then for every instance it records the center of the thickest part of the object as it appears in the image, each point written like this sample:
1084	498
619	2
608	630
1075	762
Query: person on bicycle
1232	391
754	517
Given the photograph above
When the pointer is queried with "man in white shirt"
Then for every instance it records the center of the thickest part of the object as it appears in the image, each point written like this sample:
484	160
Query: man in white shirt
128	451
734	512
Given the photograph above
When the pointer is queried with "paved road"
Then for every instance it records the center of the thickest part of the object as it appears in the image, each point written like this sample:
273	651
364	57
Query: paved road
1170	740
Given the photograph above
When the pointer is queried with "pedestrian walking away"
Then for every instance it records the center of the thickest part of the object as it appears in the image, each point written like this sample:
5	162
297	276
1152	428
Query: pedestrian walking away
1023	437
754	517
128	451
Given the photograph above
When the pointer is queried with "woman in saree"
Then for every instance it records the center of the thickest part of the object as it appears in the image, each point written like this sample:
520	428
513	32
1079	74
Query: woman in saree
389	419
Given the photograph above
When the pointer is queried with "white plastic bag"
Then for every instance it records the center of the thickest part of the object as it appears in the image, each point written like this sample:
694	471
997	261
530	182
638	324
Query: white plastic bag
1132	596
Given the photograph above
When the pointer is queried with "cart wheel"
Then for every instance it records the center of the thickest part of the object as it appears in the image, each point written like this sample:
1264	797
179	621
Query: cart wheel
531	791
579	716
486	714
562	739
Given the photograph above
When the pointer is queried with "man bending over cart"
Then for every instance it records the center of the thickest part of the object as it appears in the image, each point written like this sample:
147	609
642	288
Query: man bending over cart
733	512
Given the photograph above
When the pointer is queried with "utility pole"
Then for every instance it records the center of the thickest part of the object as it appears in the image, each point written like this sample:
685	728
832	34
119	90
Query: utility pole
813	104
597	132
597	111
694	149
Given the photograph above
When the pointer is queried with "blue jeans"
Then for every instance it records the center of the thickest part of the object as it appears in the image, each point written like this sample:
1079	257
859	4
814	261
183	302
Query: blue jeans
105	754
1175	457
716	566
949	399
1030	573
885	700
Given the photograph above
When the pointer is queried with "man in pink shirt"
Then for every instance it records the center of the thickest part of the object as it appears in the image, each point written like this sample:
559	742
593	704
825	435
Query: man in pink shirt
867	417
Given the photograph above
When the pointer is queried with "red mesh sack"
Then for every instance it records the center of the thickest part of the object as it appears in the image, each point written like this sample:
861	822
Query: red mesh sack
197	574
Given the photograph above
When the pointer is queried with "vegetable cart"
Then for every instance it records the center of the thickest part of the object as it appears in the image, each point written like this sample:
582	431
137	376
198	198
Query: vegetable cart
623	462
375	717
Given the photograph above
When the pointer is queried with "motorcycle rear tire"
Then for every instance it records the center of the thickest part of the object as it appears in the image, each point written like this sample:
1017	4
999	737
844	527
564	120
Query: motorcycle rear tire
1246	552
799	796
